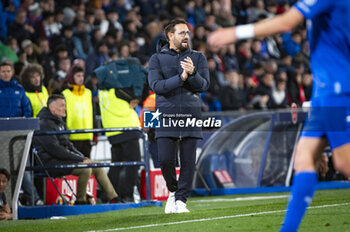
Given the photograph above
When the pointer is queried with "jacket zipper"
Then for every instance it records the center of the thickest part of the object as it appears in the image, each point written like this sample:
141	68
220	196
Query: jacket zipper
178	61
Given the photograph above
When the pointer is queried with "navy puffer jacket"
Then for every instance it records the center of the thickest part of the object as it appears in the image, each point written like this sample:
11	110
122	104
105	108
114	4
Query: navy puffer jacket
175	96
13	100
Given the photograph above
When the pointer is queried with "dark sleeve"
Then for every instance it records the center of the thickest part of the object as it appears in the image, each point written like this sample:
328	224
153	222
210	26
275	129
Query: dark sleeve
91	64
225	98
271	104
3	196
51	145
285	102
94	118
156	80
200	80
293	92
26	106
244	98
127	94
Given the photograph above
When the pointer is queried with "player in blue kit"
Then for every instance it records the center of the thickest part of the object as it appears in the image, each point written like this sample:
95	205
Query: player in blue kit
329	25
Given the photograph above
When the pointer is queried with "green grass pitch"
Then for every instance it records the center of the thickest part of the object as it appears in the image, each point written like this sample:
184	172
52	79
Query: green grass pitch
329	211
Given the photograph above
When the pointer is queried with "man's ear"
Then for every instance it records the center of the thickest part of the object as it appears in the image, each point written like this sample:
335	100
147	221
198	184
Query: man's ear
51	107
170	36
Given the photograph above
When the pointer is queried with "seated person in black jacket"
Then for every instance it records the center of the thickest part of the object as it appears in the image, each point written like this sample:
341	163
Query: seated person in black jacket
58	150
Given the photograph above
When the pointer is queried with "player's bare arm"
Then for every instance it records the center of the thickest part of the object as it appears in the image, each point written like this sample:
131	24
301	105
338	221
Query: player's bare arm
278	24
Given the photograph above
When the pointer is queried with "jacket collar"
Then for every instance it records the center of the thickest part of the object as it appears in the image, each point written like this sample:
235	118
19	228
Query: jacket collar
77	90
32	89
12	82
163	47
45	113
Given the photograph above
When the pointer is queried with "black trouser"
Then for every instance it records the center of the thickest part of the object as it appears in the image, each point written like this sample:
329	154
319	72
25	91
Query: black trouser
124	178
167	152
84	146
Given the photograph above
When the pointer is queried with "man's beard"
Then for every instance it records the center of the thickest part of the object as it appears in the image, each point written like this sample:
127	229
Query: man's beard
183	48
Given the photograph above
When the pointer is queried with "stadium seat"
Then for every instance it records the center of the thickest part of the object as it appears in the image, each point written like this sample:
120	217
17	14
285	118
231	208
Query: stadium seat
209	165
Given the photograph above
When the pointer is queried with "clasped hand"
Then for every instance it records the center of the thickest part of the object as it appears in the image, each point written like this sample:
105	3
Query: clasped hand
87	161
188	68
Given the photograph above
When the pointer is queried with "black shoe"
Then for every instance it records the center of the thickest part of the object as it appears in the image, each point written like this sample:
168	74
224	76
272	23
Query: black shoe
116	200
80	203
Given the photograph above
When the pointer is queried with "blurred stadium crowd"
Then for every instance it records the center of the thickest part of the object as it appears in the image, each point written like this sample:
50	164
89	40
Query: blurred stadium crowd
265	73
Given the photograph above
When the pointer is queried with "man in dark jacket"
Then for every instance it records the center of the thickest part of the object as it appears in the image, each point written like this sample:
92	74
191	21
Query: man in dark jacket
13	100
19	29
58	150
177	74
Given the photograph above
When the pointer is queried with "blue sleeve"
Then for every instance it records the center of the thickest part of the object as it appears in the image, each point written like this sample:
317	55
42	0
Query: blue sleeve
26	106
156	80
312	8
200	81
91	64
78	45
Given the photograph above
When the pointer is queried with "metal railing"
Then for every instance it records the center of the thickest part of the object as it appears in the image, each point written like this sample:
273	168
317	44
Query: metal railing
144	163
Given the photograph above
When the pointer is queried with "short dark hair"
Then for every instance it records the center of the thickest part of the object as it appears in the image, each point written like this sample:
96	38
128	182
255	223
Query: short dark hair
6	63
60	48
58	11
47	14
101	43
171	25
9	40
53	98
67	28
77	69
6	173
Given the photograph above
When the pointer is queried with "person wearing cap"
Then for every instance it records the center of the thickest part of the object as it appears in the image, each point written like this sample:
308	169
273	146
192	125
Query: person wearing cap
79	109
27	46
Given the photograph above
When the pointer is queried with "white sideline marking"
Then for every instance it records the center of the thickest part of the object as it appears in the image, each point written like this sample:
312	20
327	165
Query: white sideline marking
214	218
243	198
